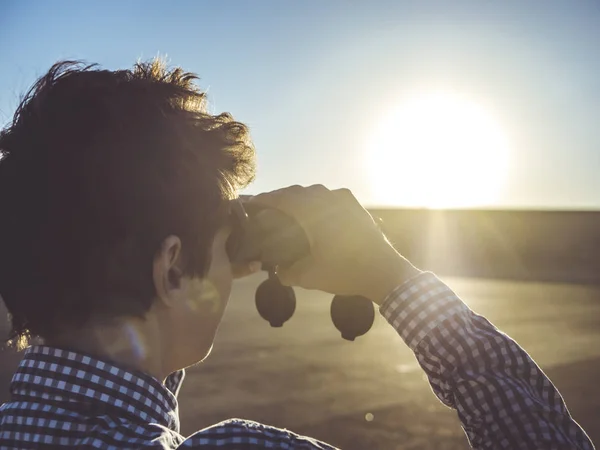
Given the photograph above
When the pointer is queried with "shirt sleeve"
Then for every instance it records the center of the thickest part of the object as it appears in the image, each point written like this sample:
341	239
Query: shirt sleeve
503	399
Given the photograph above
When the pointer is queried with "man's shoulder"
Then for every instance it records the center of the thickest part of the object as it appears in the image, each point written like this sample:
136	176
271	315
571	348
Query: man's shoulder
250	434
28	424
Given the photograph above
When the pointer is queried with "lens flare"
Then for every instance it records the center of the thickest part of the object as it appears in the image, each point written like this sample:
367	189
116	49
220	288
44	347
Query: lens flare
202	292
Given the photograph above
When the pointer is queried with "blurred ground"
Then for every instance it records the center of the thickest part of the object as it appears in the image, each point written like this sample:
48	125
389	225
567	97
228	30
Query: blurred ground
306	378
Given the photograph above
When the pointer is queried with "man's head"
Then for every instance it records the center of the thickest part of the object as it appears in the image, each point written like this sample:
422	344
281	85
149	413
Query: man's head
113	193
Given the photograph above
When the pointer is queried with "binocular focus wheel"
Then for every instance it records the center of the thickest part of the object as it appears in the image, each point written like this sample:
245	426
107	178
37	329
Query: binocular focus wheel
275	302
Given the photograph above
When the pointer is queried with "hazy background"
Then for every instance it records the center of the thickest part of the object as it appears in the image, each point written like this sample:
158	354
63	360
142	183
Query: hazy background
315	80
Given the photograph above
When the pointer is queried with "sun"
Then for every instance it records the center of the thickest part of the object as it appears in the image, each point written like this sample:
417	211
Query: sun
437	150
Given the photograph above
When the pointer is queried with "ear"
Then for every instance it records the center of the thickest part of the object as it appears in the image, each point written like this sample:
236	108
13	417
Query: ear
165	271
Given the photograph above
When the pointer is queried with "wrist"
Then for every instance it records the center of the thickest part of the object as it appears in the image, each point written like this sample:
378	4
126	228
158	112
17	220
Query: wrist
387	271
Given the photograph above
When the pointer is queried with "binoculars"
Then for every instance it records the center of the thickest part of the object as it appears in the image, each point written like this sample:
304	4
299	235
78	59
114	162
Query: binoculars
277	240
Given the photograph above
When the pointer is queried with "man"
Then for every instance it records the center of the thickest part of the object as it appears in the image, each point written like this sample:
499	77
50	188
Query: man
114	192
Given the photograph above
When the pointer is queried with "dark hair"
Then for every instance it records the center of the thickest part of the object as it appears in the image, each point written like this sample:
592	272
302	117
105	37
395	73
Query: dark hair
97	167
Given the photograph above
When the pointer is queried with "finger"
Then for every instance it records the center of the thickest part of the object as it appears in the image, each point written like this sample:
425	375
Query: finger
347	199
309	206
241	270
318	189
279	199
297	273
345	194
288	197
296	201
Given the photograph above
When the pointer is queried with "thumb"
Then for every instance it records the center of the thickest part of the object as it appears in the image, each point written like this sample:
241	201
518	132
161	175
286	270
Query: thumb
298	274
241	270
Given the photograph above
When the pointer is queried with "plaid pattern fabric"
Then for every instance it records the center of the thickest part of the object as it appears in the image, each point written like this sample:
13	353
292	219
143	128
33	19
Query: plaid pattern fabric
503	399
66	399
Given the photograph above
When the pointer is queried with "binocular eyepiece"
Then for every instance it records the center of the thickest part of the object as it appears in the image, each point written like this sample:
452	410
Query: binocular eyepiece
277	240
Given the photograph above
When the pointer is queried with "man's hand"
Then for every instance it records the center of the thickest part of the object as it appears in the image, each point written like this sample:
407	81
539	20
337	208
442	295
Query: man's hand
349	253
241	270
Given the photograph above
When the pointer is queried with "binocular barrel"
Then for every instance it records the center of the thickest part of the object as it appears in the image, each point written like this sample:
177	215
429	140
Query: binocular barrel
277	241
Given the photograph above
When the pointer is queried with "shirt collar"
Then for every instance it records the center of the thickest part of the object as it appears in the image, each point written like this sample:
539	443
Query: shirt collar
55	375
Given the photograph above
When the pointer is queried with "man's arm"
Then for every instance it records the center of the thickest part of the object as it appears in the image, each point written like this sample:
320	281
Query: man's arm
502	397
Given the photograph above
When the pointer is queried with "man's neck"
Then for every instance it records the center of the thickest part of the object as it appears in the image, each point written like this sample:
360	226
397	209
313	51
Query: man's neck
128	343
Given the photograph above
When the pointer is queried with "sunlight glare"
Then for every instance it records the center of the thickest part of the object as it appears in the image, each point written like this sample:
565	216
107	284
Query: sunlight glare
437	151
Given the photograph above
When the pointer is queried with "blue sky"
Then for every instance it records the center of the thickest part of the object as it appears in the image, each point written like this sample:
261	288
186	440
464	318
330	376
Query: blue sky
313	78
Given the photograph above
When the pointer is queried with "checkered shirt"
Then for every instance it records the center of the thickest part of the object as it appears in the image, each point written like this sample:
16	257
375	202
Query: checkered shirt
63	399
